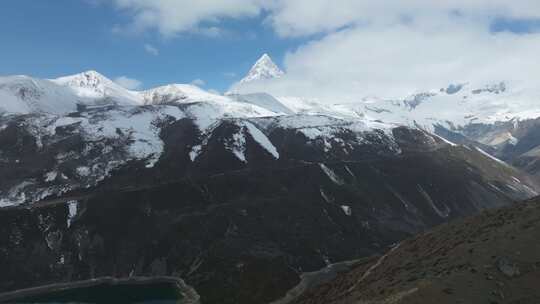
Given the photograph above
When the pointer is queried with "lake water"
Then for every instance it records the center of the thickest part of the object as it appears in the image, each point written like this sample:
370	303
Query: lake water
155	293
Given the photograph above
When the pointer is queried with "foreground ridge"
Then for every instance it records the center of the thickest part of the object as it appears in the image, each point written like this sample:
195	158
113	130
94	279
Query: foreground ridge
492	257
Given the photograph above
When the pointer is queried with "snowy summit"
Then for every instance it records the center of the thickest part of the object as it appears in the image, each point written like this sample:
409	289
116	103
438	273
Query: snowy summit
263	69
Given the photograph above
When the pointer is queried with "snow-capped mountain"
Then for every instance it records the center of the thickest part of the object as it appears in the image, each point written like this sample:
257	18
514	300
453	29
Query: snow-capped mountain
23	95
456	107
88	167
459	105
136	127
27	95
93	85
178	93
500	117
453	107
263	69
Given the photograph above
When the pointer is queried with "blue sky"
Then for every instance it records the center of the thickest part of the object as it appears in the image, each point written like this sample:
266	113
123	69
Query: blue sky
48	39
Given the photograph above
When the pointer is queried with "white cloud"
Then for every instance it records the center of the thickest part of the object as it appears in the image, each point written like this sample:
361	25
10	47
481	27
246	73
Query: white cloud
365	47
395	48
150	49
171	17
305	17
398	61
128	83
198	82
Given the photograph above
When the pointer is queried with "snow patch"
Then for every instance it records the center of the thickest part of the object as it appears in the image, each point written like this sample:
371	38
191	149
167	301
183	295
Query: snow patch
332	175
72	212
83	171
259	137
442	213
491	156
238	146
350	172
325	196
347	210
444	140
195	152
50	176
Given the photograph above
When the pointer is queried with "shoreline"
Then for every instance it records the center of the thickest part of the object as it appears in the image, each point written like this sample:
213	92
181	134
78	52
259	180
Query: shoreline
190	296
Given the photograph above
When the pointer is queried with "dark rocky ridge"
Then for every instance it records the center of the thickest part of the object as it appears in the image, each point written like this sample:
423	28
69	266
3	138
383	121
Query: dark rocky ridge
522	149
238	232
490	258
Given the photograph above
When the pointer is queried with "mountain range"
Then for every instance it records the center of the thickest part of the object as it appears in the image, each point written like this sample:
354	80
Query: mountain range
494	117
241	195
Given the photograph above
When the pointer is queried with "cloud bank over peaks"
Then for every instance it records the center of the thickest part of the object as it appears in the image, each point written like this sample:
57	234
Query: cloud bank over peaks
387	47
395	61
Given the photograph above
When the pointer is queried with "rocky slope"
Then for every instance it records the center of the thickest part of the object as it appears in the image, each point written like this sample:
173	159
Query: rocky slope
490	258
241	223
517	142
